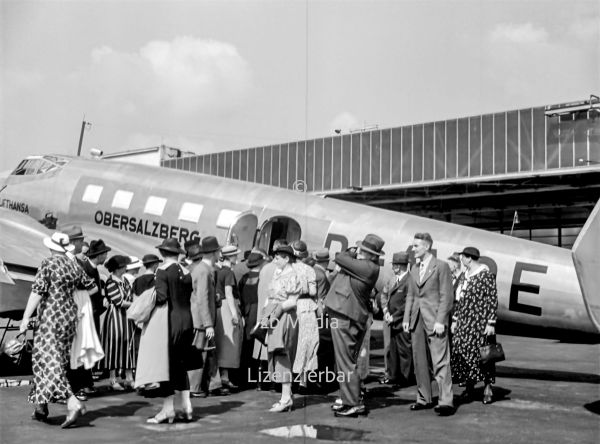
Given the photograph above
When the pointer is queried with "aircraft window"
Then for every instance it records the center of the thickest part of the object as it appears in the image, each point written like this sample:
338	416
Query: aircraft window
227	218
92	193
38	165
155	205
190	212
122	199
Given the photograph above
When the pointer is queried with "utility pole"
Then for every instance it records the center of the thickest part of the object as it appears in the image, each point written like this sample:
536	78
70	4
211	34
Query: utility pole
84	124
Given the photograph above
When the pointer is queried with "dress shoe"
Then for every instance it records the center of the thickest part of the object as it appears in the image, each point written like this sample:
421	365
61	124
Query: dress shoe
487	394
337	405
81	395
287	406
229	385
385	380
197	394
444	410
185	415
116	386
40	413
351	411
90	390
161	418
420	406
72	417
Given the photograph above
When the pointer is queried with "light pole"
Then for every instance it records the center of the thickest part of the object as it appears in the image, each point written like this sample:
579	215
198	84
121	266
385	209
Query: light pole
84	125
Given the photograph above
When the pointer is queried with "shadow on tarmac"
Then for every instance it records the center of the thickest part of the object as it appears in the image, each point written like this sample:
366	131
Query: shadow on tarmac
546	375
593	407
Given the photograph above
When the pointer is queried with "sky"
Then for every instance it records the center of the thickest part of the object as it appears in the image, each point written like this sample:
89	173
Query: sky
208	76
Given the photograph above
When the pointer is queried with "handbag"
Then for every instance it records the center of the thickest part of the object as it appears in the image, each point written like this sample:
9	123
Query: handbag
491	353
141	308
259	333
15	347
201	342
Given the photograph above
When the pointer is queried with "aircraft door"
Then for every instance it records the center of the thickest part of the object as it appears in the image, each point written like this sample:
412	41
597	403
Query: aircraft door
278	227
243	231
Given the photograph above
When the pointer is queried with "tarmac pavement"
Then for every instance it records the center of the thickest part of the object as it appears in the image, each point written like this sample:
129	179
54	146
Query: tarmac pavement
546	392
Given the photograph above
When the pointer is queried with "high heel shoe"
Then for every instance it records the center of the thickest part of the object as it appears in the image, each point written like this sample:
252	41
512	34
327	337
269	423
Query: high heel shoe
40	413
72	417
116	386
282	406
161	418
185	415
488	394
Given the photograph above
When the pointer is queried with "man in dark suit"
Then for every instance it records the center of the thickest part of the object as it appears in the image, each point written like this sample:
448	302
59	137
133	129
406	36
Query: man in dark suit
349	304
393	303
429	301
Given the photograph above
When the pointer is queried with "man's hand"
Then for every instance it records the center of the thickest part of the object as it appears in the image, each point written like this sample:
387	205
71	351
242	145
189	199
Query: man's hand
388	318
489	330
439	329
210	333
405	327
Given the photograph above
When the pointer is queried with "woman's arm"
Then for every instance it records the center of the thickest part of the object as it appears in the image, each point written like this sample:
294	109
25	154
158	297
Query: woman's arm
32	303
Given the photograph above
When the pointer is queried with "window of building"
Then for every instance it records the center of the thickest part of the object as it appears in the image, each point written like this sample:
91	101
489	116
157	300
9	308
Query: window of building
122	199
92	194
155	205
190	212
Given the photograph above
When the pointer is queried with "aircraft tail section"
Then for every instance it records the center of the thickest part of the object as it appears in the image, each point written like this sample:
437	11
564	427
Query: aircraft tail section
586	257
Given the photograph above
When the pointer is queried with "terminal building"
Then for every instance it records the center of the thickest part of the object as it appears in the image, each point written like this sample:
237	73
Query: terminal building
532	173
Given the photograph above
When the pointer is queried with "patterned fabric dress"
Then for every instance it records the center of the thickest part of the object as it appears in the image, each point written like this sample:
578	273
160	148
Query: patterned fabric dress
117	330
308	328
55	282
475	310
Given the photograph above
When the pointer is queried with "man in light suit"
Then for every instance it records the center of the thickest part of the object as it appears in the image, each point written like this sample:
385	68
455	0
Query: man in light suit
428	304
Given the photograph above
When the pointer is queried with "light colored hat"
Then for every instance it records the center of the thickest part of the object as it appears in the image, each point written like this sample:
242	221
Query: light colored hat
59	242
134	264
230	250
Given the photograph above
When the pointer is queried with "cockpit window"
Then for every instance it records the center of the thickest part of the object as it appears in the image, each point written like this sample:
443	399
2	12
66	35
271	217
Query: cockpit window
39	165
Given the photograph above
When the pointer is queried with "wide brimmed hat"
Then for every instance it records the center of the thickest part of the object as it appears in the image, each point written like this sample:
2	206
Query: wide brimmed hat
284	249
170	245
115	262
300	249
321	256
471	252
372	244
254	259
73	231
59	242
230	250
97	247
209	244
400	258
134	263
150	259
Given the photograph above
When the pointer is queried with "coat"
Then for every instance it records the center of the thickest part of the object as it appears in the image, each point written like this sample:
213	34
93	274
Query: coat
203	300
395	293
432	298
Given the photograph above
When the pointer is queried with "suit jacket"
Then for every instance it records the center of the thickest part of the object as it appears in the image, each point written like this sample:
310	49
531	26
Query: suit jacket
322	282
395	293
350	292
432	298
203	300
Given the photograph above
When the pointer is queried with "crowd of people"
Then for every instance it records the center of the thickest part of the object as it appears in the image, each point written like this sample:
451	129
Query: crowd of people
292	319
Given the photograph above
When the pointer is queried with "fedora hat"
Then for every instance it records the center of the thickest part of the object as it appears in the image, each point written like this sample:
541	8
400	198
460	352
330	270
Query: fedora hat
134	263
254	259
209	244
170	245
193	252
115	262
400	258
73	231
471	252
230	250
150	259
372	244
300	249
97	247
321	256
58	242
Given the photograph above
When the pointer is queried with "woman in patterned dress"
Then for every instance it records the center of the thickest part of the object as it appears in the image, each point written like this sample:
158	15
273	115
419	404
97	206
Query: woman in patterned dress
52	295
282	336
473	321
117	330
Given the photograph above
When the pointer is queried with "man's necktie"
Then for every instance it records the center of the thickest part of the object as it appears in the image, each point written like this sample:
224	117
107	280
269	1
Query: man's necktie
422	271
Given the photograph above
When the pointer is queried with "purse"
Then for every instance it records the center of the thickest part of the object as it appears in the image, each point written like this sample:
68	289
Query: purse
141	308
491	353
259	333
15	347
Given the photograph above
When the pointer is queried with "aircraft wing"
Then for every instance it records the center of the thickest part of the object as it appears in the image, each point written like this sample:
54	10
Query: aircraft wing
21	251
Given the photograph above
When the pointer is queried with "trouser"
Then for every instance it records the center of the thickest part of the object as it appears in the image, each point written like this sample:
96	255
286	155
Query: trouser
399	357
439	350
347	337
386	346
208	377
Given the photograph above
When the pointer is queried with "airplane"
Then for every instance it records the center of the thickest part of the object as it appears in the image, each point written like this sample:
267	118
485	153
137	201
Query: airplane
132	207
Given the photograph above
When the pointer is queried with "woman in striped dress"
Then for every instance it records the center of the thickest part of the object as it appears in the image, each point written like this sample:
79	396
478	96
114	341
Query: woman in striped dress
117	330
